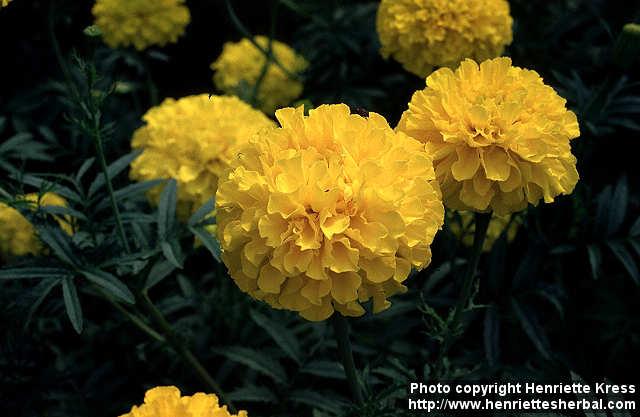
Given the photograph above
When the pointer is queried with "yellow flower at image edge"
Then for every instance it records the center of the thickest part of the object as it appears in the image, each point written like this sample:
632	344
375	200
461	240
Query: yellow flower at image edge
499	137
328	211
167	402
241	63
4	3
463	227
192	140
17	236
423	34
140	23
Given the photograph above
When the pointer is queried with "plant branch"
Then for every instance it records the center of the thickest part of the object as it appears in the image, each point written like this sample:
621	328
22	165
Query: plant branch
341	328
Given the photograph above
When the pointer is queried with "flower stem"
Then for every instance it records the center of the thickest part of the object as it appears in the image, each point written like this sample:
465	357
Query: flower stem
481	226
341	328
184	351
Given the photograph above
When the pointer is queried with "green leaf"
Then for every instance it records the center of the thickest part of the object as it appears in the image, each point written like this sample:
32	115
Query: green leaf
43	289
205	210
33	272
256	360
59	243
112	285
635	229
167	210
72	303
618	206
280	334
135	190
159	271
530	326
324	369
595	260
62	211
589	397
113	170
321	401
92	31
253	393
491	335
602	212
172	253
625	259
209	241
84	168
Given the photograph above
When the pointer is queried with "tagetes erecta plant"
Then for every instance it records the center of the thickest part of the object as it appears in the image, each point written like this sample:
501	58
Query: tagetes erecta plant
18	237
426	34
499	137
141	23
328	211
462	225
167	402
193	140
240	65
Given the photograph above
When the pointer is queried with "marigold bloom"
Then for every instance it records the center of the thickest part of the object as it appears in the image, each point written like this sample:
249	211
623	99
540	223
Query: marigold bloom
498	135
240	66
4	3
423	34
192	140
141	23
464	228
17	236
328	211
167	402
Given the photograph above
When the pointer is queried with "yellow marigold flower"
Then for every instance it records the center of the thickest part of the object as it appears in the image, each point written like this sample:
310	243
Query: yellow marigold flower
240	65
17	236
464	228
4	3
141	23
328	211
192	140
167	402
498	135
423	34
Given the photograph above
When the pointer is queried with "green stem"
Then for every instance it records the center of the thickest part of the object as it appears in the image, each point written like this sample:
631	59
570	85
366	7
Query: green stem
112	197
137	321
184	351
481	226
341	328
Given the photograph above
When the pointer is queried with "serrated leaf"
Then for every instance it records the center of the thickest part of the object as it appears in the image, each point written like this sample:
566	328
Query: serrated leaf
324	369
84	168
59	243
256	360
72	303
167	209
209	242
205	210
280	334
33	272
172	253
113	170
159	271
112	285
252	393
625	259
595	260
530	326
491	335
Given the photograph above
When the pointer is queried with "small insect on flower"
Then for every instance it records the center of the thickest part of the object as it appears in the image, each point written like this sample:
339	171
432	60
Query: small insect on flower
328	211
18	237
499	136
425	34
167	401
241	65
192	140
141	23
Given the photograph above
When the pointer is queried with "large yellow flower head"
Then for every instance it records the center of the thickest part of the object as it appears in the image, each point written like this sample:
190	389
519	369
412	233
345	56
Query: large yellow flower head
4	3
192	140
463	227
423	34
240	66
167	402
17	236
498	135
141	23
328	211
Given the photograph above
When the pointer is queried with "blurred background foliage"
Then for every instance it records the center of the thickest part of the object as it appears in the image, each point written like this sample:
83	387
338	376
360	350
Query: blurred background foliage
562	297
